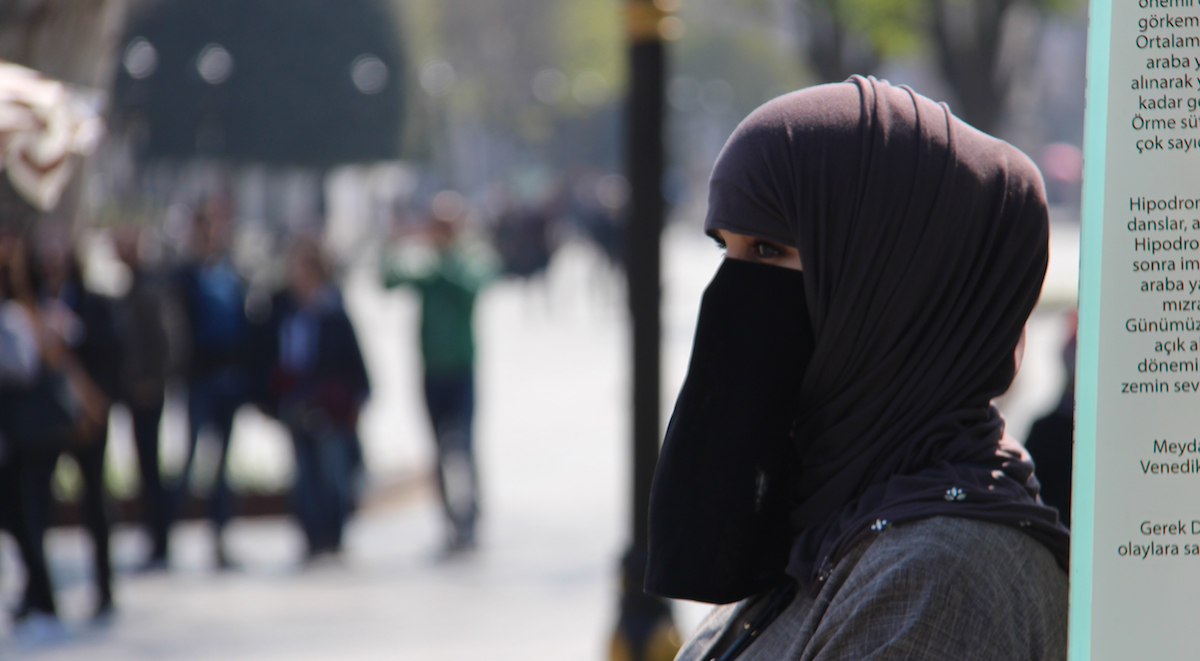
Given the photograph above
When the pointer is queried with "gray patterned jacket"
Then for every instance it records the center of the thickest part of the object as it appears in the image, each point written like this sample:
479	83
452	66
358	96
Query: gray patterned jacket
938	589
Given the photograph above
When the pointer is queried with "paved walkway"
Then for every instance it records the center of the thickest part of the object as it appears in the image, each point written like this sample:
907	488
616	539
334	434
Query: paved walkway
535	591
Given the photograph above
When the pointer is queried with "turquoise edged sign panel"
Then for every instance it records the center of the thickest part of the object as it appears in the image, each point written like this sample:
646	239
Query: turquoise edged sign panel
1135	556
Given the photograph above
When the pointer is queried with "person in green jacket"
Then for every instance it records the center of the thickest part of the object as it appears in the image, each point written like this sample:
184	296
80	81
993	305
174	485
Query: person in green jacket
448	285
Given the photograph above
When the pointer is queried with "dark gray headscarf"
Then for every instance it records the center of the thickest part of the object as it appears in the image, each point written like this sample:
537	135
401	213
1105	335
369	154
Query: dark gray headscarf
924	245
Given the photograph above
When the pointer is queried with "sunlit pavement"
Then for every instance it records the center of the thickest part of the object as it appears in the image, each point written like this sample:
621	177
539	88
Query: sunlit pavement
552	440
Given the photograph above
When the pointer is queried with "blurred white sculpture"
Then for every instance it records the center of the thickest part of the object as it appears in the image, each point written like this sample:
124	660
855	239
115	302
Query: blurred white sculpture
43	123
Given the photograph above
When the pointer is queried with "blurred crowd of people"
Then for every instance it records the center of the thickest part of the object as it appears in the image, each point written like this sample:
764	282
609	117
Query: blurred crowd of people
69	354
191	323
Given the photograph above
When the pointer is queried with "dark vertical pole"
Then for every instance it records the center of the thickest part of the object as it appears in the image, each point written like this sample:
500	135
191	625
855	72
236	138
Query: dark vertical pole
645	631
644	154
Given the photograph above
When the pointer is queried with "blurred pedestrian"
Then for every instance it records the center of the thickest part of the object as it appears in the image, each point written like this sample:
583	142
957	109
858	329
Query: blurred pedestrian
1051	439
834	461
83	321
448	285
597	205
30	441
316	387
150	352
522	238
212	298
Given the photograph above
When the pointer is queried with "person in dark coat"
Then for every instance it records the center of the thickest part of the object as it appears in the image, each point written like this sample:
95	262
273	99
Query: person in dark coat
212	297
84	322
27	458
1051	439
316	385
150	351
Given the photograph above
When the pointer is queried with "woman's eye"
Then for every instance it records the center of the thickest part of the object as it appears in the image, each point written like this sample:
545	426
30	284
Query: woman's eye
719	242
766	250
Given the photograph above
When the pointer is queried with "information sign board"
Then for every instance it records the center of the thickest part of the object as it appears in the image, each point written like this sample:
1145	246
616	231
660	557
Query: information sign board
1135	557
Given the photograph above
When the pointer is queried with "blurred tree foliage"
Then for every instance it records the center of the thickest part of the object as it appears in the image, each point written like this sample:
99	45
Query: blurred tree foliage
501	87
496	49
754	66
846	37
540	83
980	46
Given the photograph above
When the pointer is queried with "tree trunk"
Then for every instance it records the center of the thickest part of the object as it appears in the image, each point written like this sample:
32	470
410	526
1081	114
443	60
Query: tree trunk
978	57
834	52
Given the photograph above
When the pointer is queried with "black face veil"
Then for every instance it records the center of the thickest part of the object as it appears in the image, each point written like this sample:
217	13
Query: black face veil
720	504
924	245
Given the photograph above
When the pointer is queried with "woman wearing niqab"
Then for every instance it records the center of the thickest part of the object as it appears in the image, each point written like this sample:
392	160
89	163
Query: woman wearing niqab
835	475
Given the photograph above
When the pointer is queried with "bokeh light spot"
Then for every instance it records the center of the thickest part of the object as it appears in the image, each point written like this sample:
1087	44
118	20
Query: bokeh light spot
369	73
449	205
716	97
683	93
437	76
550	86
590	89
141	58
670	28
214	64
612	191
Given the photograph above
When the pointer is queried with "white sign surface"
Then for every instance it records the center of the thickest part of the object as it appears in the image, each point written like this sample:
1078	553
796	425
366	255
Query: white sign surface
1136	543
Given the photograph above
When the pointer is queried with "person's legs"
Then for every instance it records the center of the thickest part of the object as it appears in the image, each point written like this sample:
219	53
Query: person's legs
304	496
10	492
14	484
33	473
334	456
212	403
90	457
229	398
154	507
355	473
436	404
462	442
221	498
199	407
321	494
451	403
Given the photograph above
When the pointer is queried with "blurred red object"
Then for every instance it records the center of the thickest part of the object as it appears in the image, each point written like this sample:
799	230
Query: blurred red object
1062	162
